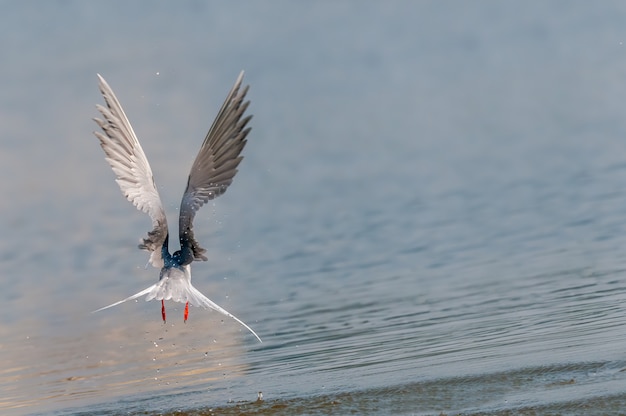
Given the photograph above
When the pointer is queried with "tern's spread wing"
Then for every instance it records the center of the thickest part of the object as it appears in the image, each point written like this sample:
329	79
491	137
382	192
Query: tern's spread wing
216	164
134	176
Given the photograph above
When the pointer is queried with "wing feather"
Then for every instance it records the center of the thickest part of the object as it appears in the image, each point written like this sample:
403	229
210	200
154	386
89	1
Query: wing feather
216	163
131	168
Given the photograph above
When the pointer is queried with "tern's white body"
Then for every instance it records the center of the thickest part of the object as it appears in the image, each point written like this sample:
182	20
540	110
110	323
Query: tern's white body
175	284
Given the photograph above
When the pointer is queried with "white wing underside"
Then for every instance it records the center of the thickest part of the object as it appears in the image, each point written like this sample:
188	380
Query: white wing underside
180	290
131	168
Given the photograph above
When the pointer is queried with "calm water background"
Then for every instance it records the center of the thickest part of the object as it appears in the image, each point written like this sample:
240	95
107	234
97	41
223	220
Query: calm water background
430	216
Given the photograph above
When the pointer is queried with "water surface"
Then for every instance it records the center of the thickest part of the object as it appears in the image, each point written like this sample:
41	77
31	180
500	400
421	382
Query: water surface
429	218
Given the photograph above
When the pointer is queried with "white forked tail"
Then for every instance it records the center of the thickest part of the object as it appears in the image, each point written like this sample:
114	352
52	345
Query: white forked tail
180	290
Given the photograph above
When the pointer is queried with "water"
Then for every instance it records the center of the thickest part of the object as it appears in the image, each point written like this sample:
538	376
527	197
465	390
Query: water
429	218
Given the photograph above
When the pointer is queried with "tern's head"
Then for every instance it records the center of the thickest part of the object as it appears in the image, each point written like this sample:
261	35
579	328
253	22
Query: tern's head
183	256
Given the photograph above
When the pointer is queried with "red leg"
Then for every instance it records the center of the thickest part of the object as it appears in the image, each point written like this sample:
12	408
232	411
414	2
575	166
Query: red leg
186	311
163	310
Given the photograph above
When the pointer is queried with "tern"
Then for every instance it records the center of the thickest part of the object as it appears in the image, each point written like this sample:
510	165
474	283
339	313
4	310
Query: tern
211	174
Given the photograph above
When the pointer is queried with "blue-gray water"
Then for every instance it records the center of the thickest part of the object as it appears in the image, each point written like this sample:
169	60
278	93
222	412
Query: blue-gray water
430	216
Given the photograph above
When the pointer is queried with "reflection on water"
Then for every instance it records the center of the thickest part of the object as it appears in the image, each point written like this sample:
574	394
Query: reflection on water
137	358
429	217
